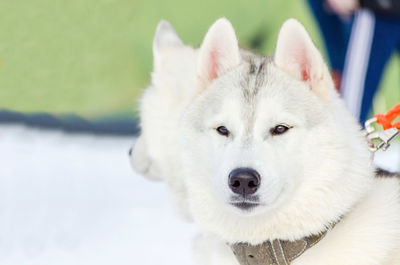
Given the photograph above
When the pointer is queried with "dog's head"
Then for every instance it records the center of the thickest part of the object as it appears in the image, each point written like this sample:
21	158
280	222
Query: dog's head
155	152
268	147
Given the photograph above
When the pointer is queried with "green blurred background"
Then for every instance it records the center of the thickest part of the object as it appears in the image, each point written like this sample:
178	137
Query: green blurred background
93	57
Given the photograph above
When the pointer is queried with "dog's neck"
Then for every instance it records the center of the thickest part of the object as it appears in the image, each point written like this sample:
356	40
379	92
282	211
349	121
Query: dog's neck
275	252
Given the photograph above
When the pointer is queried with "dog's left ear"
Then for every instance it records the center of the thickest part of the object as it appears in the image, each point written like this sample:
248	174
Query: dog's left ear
219	51
297	55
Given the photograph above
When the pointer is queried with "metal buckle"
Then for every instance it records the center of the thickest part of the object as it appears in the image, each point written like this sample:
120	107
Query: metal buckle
381	139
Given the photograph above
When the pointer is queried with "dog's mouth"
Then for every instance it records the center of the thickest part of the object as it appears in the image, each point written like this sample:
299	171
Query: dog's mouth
244	203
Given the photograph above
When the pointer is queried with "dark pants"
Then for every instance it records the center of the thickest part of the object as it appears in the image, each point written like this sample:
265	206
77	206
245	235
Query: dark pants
373	41
360	49
335	32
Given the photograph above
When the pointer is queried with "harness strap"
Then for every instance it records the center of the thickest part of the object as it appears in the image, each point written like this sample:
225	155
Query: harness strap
275	252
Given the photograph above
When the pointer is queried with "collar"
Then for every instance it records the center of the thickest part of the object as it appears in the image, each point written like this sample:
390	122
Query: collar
275	252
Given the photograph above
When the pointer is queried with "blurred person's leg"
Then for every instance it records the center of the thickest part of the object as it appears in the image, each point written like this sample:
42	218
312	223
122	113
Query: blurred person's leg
371	44
335	32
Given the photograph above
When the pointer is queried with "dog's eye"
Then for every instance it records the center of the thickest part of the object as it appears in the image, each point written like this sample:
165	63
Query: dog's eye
280	129
222	130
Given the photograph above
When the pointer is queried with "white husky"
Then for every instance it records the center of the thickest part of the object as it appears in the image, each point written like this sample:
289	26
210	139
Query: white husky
156	153
270	152
268	148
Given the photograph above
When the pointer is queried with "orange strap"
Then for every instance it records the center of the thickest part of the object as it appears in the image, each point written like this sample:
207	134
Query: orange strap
386	119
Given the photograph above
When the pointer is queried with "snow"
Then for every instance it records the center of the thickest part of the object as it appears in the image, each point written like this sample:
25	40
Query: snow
73	199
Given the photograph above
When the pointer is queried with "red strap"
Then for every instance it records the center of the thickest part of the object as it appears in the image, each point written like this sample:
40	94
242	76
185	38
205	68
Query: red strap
386	119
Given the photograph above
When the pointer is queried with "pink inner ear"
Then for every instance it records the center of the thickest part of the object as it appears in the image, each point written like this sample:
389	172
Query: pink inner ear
213	65
305	75
303	62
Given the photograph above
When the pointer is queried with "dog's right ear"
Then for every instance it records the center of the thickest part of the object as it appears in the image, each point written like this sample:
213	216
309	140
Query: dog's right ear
164	38
219	51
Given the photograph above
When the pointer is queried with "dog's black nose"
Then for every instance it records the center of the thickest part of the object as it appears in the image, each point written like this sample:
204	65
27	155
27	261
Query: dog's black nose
130	151
244	181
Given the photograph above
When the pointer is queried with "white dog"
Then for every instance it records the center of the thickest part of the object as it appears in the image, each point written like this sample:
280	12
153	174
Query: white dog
273	158
269	151
156	152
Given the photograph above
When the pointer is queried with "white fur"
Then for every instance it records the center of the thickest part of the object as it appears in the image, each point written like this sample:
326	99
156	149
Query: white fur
156	151
312	176
315	174
211	250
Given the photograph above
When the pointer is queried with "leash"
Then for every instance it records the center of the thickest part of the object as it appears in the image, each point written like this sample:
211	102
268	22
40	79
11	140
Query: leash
381	140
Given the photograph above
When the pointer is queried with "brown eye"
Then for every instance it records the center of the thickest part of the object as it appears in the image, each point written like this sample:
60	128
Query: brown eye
279	129
222	130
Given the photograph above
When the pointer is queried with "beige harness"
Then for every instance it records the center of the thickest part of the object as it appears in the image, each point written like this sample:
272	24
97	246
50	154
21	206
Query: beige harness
276	252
